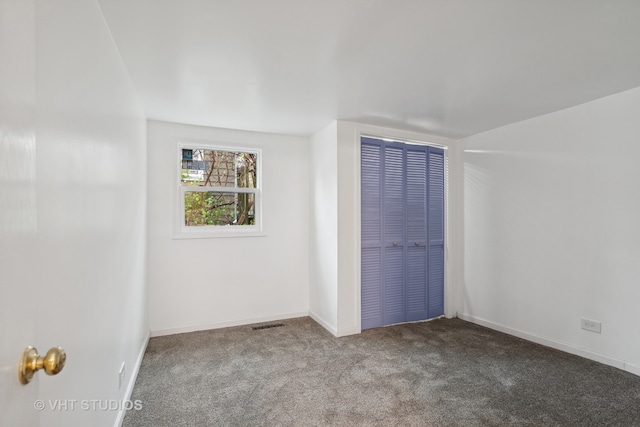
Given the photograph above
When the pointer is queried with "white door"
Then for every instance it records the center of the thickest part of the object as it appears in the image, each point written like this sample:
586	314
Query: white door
19	286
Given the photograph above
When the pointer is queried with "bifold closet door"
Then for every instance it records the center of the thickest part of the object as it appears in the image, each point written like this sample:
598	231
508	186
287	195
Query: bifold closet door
416	230
402	229
371	213
394	236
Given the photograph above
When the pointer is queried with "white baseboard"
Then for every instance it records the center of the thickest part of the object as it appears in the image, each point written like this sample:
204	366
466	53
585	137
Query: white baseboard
323	323
132	381
616	363
633	369
348	331
335	332
226	324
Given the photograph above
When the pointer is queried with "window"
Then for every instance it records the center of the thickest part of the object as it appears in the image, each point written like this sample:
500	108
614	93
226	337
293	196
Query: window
218	191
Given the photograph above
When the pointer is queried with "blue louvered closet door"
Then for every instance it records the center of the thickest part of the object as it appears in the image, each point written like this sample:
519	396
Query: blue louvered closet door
402	232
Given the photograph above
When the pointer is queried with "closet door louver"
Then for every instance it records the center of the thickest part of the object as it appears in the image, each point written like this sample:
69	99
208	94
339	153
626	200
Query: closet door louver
416	226
394	234
371	234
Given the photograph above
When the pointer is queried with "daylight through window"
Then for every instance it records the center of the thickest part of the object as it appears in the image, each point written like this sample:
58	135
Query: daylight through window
219	187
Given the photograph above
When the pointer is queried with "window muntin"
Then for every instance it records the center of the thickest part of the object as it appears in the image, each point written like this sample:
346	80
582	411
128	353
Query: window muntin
219	190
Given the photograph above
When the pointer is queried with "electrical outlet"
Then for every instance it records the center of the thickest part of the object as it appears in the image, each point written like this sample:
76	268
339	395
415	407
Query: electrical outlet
591	325
121	374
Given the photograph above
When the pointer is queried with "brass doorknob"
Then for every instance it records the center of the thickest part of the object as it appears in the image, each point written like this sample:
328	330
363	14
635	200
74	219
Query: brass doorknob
31	362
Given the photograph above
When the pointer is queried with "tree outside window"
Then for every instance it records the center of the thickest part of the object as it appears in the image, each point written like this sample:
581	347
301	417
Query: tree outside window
219	187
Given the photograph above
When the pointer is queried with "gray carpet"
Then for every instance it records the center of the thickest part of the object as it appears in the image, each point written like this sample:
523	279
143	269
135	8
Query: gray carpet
438	373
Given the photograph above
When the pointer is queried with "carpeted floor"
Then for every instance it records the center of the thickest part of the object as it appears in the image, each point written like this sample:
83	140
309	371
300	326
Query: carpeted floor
446	372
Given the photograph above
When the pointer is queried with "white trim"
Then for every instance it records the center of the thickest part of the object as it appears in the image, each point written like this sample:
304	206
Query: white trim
230	190
335	332
348	331
180	231
400	135
404	140
132	381
454	222
323	323
632	368
217	234
357	200
606	360
226	324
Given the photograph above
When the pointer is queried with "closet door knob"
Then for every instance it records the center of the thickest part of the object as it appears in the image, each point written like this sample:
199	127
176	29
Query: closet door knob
395	243
417	243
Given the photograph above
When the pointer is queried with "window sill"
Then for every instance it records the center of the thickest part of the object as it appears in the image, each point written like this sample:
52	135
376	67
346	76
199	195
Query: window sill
217	234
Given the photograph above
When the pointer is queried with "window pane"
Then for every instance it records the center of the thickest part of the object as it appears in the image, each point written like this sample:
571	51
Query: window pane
218	208
217	168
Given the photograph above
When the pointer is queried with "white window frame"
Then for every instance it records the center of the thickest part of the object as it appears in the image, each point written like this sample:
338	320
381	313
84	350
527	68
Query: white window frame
183	231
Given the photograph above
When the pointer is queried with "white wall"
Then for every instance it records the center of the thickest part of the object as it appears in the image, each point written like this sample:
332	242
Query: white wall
323	235
551	228
242	279
72	211
335	224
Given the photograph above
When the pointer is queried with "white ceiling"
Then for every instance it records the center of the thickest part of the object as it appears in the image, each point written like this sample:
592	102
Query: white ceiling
446	67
